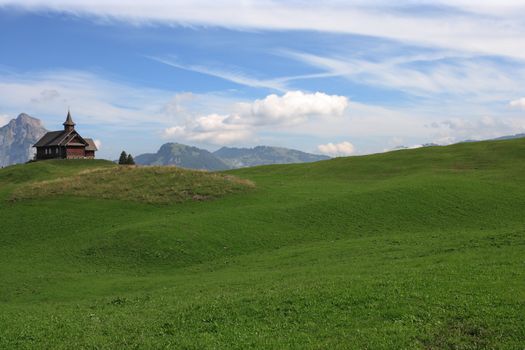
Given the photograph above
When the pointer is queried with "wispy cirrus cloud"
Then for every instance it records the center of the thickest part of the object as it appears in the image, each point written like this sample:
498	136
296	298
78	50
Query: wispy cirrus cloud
281	84
93	99
229	75
427	75
489	27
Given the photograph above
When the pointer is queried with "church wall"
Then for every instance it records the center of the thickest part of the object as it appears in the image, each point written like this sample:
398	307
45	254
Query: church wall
76	152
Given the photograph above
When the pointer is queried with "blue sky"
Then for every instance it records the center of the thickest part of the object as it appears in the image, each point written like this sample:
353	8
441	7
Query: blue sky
340	78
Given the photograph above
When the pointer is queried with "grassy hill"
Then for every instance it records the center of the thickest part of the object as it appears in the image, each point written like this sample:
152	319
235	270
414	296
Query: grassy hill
141	184
410	249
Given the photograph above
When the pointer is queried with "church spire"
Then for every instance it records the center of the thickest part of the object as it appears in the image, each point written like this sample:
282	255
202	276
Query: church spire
69	124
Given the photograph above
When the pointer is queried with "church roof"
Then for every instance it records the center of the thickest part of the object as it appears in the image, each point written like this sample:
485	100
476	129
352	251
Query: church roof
48	138
91	145
60	138
69	120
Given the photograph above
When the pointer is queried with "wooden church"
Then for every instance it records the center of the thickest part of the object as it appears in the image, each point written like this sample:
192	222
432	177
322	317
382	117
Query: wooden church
65	144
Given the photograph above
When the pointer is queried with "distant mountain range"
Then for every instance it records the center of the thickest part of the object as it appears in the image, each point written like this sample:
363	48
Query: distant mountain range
224	158
263	155
507	137
18	136
510	137
17	139
182	156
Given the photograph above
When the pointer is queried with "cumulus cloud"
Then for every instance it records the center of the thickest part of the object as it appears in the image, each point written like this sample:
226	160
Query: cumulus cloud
98	143
344	148
212	129
519	103
292	108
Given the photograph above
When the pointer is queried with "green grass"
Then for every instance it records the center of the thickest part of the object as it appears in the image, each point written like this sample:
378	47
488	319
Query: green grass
415	249
142	184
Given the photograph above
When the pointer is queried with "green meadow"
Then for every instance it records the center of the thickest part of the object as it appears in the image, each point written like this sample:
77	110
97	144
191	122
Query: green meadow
414	249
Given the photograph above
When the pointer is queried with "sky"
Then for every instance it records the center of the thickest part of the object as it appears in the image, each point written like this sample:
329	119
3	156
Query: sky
333	77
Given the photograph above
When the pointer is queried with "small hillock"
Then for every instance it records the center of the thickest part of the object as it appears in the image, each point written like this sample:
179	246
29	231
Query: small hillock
142	184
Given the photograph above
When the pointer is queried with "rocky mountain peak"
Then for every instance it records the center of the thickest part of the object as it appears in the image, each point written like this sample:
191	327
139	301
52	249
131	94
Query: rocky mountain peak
17	139
24	118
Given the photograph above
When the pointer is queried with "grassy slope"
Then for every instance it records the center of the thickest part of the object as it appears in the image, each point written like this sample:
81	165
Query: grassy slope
141	184
412	249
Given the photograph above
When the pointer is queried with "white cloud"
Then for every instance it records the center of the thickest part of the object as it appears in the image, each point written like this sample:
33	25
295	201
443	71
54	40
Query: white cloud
246	118
93	100
98	143
488	27
235	77
460	129
46	96
344	148
415	146
212	129
176	105
4	119
295	119
101	108
425	75
519	103
294	107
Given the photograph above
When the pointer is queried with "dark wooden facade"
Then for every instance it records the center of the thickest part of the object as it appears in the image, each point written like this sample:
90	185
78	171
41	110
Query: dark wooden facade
65	144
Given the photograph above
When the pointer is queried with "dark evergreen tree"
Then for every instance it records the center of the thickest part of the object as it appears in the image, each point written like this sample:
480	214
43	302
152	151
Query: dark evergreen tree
130	160
123	158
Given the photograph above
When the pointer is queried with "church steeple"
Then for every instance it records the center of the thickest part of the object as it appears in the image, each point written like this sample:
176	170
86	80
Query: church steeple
69	124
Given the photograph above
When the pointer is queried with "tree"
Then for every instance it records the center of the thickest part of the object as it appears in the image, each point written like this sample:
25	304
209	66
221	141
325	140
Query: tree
123	158
130	160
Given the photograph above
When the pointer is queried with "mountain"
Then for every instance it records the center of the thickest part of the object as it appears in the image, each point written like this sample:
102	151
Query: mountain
17	139
262	155
182	156
510	137
224	158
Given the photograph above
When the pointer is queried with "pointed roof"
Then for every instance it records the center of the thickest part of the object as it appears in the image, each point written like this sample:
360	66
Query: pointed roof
69	120
48	138
62	138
